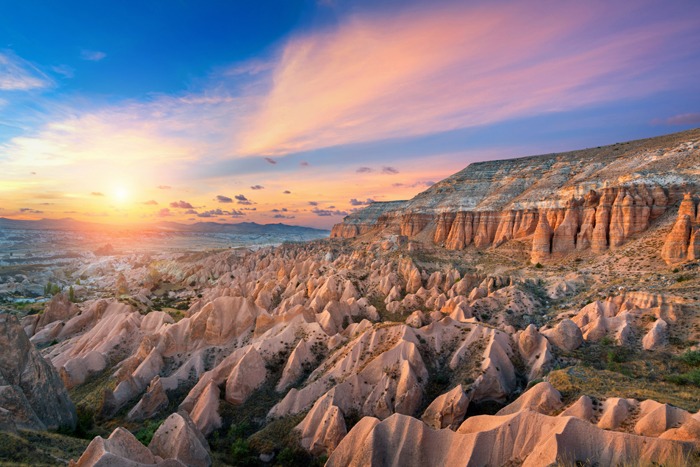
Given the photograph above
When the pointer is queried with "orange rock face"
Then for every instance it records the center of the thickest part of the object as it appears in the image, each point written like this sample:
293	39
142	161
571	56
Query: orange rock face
683	242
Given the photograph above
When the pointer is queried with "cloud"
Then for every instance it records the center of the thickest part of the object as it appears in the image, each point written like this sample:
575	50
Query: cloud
64	70
287	192
390	170
223	199
270	160
97	193
328	212
433	69
356	202
30	211
425	183
219	212
17	74
181	205
92	55
282	216
257	187
151	202
680	119
243	200
304	164
313	203
164	187
165	212
364	170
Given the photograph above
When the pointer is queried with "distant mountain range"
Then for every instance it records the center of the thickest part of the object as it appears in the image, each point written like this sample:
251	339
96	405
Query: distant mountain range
243	228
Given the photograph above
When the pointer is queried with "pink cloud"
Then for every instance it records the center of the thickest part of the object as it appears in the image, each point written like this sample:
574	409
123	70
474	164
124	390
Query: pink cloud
437	69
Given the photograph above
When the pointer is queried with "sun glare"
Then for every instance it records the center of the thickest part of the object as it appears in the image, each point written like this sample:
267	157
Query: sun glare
121	194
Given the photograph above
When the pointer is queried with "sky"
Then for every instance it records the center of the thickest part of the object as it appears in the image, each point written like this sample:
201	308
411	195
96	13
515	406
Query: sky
300	112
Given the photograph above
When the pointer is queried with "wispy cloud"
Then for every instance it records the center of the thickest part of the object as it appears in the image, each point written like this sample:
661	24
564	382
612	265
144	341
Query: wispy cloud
387	170
328	212
181	205
17	74
441	68
680	119
243	200
64	70
92	55
357	202
223	199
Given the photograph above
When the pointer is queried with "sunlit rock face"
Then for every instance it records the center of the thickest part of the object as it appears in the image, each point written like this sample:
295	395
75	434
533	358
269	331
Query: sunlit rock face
592	199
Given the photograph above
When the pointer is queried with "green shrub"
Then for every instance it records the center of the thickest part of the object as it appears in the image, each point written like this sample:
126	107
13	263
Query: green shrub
145	434
690	357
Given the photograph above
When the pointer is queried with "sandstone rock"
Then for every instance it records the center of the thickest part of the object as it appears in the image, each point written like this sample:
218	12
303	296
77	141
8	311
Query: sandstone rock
447	410
151	403
247	376
323	427
32	385
542	398
615	411
564	236
694	246
687	206
656	418
533	440
582	408
542	241
600	239
657	335
675	249
565	335
178	438
59	308
205	413
534	348
121	449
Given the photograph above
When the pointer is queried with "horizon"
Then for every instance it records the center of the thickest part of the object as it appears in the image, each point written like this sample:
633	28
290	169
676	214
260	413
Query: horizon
225	113
154	223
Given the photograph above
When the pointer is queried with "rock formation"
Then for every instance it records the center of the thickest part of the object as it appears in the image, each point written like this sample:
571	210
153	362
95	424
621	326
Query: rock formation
31	393
490	203
683	242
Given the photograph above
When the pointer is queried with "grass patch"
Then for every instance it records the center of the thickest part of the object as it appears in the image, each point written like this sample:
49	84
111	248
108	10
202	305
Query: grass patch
579	380
37	448
385	315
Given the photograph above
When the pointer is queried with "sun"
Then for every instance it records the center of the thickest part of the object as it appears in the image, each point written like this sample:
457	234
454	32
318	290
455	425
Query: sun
121	194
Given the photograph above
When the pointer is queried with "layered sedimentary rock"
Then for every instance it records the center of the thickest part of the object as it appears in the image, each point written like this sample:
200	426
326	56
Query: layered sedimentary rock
364	220
596	198
683	242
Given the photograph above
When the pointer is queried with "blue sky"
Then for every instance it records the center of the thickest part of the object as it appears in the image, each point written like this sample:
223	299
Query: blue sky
319	103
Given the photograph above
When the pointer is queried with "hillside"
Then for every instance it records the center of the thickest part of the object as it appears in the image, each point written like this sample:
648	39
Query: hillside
535	311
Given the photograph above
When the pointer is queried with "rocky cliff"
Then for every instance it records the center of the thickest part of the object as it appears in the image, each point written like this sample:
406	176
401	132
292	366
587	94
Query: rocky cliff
592	198
31	393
